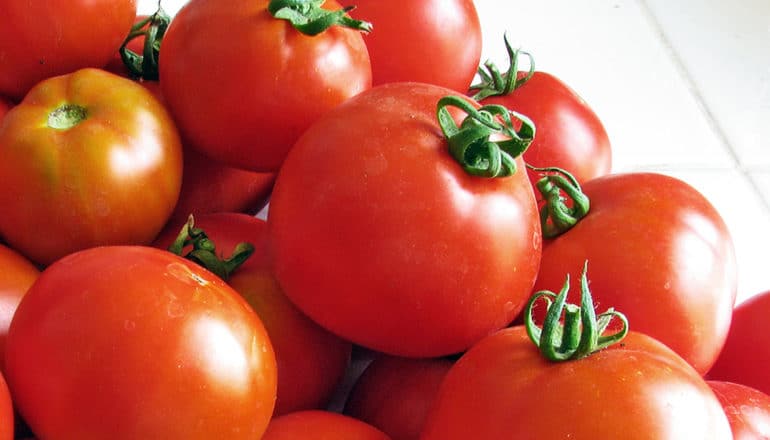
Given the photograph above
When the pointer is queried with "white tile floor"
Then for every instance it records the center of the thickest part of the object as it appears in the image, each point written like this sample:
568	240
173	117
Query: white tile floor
682	86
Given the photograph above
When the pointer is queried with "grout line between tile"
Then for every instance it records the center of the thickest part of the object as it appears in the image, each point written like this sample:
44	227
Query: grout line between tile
694	90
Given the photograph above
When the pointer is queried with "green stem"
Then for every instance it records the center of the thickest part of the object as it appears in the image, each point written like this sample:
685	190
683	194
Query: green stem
559	213
153	29
494	83
204	251
470	143
308	17
580	333
67	116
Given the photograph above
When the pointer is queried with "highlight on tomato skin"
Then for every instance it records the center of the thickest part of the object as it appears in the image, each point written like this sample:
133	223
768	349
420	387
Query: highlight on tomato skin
17	274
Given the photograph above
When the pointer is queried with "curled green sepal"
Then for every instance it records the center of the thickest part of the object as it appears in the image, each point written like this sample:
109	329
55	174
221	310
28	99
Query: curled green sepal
308	17
153	28
204	251
580	333
494	83
565	203
470	143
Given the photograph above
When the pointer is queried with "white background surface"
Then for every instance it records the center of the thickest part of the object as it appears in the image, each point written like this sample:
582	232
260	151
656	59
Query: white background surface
682	87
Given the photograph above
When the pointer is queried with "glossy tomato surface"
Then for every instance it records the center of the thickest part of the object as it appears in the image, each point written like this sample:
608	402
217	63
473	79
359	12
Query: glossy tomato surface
311	361
747	409
16	276
431	41
47	38
394	394
88	158
381	236
570	134
746	351
243	85
6	412
503	388
658	251
320	425
130	342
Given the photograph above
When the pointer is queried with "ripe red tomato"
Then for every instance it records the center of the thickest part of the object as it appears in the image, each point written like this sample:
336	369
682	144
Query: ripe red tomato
87	159
570	135
16	275
746	351
47	38
320	425
419	42
639	389
243	85
747	409
130	342
5	105
388	241
658	251
394	394
311	361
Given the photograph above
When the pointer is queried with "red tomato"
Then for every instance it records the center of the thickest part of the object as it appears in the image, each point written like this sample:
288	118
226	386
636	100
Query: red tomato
47	38
503	388
658	251
311	361
746	351
747	409
87	159
16	275
387	241
243	85
320	425
130	342
6	412
394	394
570	135
420	43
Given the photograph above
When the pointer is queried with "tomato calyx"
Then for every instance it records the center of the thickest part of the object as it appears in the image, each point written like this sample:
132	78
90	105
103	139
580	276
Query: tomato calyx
204	250
580	333
559	213
470	143
309	18
494	83
152	28
67	116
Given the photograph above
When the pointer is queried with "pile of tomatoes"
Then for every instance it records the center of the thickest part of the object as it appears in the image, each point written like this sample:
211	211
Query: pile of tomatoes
441	242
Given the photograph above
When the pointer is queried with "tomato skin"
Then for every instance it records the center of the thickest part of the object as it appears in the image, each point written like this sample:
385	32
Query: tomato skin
6	412
45	38
311	361
145	345
278	80
394	394
212	187
746	351
320	425
503	388
747	409
16	276
387	241
419	43
5	105
113	178
569	133
658	251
